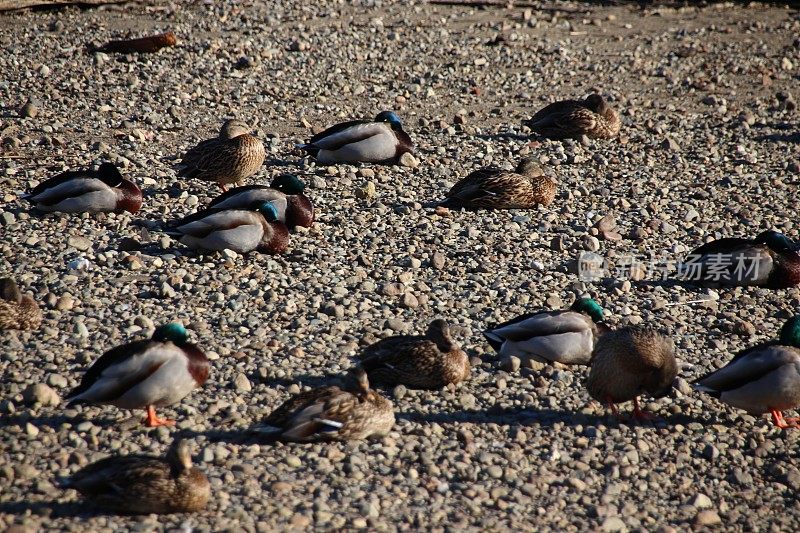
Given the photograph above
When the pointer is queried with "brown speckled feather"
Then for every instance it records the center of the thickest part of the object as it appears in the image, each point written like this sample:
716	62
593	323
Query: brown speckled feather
573	118
17	311
224	160
493	188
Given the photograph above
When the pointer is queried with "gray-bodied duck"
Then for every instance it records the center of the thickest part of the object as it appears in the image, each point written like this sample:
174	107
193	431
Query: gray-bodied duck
17	310
428	361
592	117
762	379
566	337
144	484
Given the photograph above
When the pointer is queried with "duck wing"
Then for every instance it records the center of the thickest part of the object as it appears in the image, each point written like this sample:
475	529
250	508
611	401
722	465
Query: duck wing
203	223
537	324
335	138
747	366
113	476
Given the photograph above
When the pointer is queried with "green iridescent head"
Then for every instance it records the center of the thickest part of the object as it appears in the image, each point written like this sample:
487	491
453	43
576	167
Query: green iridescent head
288	184
790	332
776	241
590	307
171	332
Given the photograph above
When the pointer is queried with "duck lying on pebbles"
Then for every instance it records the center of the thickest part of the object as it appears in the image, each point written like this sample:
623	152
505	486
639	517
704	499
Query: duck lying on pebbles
762	379
566	337
629	362
381	140
143	484
353	412
17	310
229	158
592	117
493	188
145	374
87	191
418	362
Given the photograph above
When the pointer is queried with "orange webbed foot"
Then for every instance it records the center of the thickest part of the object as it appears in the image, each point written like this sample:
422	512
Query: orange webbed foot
153	421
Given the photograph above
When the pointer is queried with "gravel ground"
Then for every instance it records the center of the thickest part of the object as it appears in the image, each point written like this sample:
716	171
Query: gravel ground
710	147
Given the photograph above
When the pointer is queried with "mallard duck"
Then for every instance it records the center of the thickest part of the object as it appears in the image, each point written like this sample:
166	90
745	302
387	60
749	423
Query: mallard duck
762	379
87	191
566	337
770	260
430	361
17	311
285	193
629	362
573	118
145	374
332	413
493	188
240	230
143	484
230	158
361	141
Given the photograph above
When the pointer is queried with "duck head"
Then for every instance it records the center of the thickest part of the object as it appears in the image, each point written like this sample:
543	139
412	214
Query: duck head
790	332
776	241
357	380
288	184
596	103
390	117
439	333
179	455
109	174
9	291
589	307
233	128
171	332
529	167
268	210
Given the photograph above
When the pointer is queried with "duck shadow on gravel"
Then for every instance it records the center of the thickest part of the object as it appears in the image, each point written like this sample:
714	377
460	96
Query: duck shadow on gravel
52	509
56	421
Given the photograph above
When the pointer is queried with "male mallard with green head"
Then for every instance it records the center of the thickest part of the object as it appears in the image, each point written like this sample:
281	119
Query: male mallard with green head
143	484
381	140
566	337
770	260
231	157
428	361
17	310
493	188
145	374
592	117
352	412
629	362
285	193
762	379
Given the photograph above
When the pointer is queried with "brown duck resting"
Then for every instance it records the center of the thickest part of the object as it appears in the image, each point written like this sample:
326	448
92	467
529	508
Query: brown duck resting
574	118
17	311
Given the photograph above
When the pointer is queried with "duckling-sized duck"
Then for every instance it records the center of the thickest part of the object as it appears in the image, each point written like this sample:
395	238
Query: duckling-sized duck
145	374
762	379
770	260
430	361
87	191
493	188
285	193
629	362
361	141
573	118
240	230
230	158
566	337
143	484
17	311
332	413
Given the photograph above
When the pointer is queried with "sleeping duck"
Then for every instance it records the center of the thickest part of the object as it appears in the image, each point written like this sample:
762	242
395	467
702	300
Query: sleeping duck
241	230
17	310
285	194
566	337
143	484
418	362
145	374
629	362
770	260
231	157
352	412
87	191
361	141
762	379
574	118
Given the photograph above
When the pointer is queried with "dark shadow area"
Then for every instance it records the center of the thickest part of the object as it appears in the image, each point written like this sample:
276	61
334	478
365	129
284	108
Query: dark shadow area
52	509
781	137
507	136
56	421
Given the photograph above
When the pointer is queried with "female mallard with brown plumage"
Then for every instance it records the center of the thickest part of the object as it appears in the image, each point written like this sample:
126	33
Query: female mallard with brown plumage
416	361
229	158
629	362
592	117
770	260
17	310
352	412
566	337
145	374
143	484
493	188
762	379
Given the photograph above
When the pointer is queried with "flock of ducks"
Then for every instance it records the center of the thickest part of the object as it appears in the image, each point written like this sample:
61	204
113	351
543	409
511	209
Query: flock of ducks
624	363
